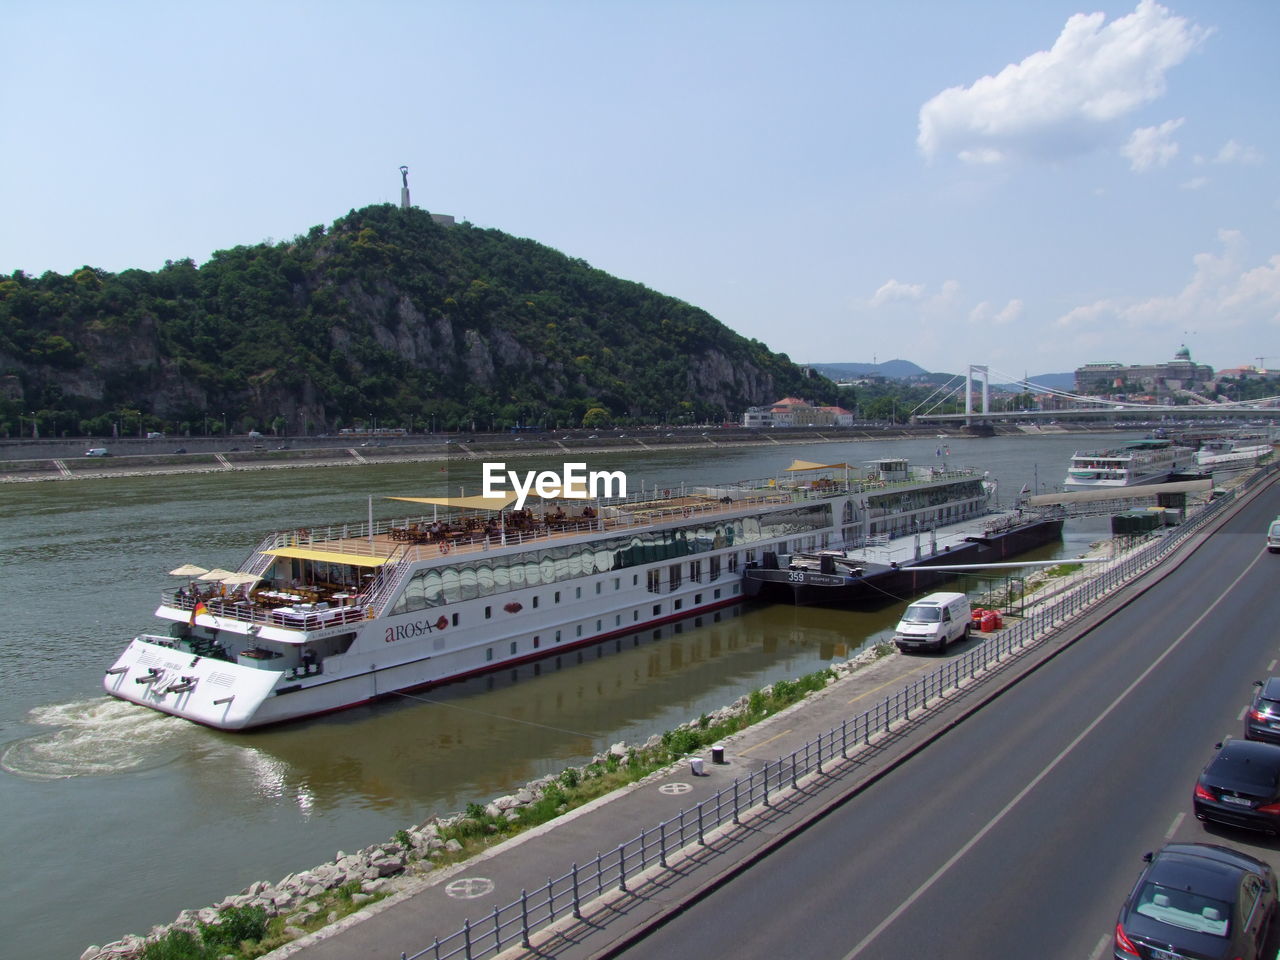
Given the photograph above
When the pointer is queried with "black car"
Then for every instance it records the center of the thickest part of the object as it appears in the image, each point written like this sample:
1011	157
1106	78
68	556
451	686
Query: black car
1241	786
1197	900
1262	722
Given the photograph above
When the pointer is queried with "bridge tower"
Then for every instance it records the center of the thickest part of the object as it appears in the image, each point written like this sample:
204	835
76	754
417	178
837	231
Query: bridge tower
981	370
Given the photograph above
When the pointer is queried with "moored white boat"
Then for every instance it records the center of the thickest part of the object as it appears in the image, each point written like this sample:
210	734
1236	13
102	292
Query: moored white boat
1134	464
1226	452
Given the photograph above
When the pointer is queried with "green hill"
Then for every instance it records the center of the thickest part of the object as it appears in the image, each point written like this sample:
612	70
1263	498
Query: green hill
385	315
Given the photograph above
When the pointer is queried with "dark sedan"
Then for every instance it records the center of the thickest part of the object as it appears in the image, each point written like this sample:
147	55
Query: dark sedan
1197	900
1241	787
1262	722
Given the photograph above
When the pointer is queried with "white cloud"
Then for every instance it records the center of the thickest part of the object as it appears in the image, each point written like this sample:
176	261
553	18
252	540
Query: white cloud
1234	152
893	290
1151	146
1063	100
1195	183
1223	295
985	315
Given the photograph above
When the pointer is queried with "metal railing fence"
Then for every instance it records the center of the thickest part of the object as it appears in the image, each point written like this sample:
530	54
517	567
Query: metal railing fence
612	870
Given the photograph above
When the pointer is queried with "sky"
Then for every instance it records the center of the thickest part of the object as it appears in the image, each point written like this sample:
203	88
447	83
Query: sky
1029	186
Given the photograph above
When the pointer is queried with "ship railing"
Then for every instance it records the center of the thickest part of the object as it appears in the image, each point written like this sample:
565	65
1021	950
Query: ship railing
245	611
594	893
362	539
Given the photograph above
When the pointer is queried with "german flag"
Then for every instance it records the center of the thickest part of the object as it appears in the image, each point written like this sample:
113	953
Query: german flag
198	609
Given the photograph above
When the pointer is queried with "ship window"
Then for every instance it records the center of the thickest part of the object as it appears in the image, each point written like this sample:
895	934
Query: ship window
657	609
557	596
514	647
678	605
697	598
713	565
488	653
617	583
673	575
654	579
455	619
557	636
488	612
716	595
467	586
537	641
635	616
579	629
599	625
598	586
535	601
617	620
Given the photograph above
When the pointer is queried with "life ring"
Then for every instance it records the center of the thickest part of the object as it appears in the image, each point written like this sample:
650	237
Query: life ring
303	533
666	493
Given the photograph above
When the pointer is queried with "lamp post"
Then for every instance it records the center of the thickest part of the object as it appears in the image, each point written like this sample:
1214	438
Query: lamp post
224	425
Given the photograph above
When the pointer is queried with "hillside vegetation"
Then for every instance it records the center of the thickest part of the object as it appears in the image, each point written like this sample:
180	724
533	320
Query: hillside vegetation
384	316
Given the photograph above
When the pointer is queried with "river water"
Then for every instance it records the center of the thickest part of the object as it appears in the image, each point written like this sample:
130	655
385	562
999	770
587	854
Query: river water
114	818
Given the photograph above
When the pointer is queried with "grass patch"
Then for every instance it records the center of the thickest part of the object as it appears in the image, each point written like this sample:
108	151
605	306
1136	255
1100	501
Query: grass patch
574	787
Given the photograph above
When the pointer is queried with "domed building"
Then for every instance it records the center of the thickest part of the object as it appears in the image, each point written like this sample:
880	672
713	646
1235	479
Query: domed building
1159	381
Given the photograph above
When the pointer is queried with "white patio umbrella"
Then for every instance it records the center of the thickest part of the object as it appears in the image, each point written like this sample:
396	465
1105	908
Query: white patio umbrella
216	575
188	570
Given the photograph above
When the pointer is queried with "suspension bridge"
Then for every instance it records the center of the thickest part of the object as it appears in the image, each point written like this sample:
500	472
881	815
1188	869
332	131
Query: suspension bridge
1073	406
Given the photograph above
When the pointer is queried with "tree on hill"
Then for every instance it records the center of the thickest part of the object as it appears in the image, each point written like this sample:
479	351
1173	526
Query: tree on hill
385	315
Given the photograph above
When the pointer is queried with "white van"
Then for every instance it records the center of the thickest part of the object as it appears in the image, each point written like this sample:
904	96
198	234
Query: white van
1273	536
97	452
933	622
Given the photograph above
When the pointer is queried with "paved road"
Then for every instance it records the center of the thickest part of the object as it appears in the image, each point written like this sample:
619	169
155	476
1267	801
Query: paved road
1020	831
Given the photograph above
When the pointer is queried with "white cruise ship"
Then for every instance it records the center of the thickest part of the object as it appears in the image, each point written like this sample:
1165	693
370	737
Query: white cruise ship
321	619
1135	463
1225	453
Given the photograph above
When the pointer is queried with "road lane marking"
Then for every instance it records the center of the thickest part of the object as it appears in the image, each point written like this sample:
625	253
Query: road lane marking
898	679
991	824
1243	711
1102	945
763	742
1173	827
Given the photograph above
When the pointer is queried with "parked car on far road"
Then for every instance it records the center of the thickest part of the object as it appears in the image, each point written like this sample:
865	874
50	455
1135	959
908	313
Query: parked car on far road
1240	787
1197	900
1262	722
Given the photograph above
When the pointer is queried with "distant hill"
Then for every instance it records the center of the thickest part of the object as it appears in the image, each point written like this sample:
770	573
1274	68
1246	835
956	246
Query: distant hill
890	369
383	316
905	370
1055	381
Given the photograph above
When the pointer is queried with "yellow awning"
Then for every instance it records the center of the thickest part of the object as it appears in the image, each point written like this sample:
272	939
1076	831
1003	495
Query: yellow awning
328	556
465	503
810	465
